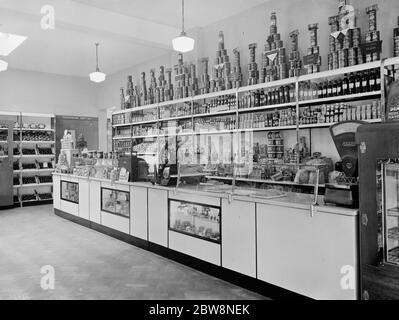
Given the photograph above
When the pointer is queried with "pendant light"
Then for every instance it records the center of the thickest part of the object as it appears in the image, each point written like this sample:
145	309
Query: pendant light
97	76
3	65
183	43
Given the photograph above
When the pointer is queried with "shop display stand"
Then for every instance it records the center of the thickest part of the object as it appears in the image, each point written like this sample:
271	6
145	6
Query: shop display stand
34	161
235	112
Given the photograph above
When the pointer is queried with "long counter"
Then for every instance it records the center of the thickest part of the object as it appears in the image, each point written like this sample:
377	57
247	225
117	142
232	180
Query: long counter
270	241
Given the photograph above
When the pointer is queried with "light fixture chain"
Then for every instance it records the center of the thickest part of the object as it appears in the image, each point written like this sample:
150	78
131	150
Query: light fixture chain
97	57
182	5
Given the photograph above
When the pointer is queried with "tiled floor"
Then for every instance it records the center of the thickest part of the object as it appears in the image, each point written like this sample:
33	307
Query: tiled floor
90	265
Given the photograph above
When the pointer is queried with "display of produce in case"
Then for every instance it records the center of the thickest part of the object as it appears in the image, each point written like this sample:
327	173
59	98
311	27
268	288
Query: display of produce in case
198	220
115	202
70	191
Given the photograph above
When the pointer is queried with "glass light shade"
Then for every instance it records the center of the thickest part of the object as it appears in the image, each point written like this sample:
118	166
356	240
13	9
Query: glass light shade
183	43
97	76
3	65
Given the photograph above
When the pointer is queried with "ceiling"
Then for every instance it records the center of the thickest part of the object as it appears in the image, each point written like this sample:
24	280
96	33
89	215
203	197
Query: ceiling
130	32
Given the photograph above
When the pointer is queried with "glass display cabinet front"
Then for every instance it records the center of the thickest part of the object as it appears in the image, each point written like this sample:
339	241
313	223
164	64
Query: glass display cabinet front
389	194
70	191
197	220
115	202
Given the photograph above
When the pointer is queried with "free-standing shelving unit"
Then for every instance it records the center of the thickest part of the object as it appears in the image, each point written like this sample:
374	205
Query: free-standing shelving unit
126	125
33	157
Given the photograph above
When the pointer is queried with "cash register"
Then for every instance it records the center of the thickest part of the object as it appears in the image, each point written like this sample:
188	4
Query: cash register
345	191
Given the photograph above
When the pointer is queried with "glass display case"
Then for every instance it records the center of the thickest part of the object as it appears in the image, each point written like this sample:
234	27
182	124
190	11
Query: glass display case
70	191
197	220
388	201
115	202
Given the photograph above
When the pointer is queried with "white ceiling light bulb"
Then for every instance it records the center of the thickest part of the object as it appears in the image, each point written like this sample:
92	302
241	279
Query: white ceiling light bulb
3	65
183	43
97	76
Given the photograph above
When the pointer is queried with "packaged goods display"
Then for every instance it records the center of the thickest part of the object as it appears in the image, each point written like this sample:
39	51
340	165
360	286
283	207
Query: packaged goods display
313	58
45	179
204	84
186	81
274	64
198	220
372	52
345	39
396	41
215	105
115	202
353	83
29	180
122	146
221	69
268	119
175	110
268	97
236	74
37	136
275	145
253	73
28	197
295	63
215	124
332	113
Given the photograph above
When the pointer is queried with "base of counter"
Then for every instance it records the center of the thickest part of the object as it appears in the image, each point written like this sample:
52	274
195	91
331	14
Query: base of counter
260	287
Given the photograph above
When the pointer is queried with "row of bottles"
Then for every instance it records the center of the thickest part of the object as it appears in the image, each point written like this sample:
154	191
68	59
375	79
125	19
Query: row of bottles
215	124
353	83
266	97
340	112
219	104
277	118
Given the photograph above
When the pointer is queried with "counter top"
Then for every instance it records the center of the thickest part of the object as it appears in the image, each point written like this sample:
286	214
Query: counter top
287	199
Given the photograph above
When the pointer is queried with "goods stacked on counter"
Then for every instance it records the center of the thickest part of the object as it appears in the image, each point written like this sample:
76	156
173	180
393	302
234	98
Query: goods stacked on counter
345	39
267	119
274	66
396	41
221	69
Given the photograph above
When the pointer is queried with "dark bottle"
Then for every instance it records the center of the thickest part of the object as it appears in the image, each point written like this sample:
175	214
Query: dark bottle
345	85
372	81
378	80
282	94
334	88
320	90
325	89
339	87
365	82
329	89
351	84
358	83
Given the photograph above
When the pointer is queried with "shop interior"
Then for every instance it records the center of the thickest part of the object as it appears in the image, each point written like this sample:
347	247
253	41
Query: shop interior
225	149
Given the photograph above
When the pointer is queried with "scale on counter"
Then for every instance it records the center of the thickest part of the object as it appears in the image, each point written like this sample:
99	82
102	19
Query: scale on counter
346	191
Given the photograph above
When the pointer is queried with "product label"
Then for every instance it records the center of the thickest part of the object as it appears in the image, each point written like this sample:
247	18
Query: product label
371	47
393	102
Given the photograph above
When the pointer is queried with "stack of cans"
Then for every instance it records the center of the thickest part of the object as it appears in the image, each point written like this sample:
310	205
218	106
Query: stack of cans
185	79
314	49
295	64
373	34
396	41
160	96
222	68
143	90
253	73
153	88
274	64
204	86
344	41
236	74
168	90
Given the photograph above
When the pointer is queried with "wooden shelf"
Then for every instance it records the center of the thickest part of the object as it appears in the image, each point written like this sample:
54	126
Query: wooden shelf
356	96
